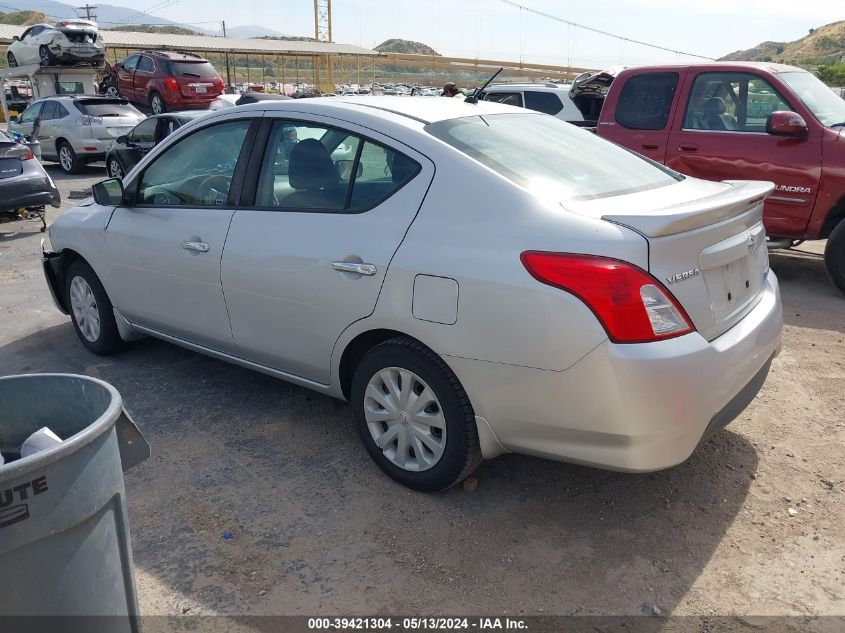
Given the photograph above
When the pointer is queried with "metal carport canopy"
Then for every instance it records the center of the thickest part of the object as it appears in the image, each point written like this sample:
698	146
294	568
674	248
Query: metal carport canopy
162	41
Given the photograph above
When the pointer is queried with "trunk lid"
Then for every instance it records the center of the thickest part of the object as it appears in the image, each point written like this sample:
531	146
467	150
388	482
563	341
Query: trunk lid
589	90
706	244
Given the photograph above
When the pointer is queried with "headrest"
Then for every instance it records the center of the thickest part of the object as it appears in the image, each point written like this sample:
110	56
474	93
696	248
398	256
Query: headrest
310	166
714	105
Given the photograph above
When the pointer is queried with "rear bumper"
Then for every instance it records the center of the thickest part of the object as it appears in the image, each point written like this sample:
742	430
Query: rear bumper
634	408
32	188
187	103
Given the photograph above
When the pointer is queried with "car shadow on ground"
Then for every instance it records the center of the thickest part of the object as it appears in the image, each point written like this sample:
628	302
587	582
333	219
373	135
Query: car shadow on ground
317	528
809	297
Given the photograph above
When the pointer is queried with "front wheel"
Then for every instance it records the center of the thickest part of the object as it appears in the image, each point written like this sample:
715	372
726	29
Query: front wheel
834	256
414	417
68	159
90	310
13	62
114	167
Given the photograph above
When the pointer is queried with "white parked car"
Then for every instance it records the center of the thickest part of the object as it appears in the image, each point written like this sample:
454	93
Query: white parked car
546	98
76	129
68	42
476	279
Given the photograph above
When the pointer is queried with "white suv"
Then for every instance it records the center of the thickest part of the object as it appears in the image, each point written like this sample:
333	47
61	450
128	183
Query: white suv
547	98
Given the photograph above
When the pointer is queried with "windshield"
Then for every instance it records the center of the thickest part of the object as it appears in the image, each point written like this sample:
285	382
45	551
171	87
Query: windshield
551	158
106	108
825	104
203	70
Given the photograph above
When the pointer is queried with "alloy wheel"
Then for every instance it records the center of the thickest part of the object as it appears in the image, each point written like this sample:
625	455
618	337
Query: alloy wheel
44	56
66	158
157	105
405	419
111	91
115	169
13	62
85	310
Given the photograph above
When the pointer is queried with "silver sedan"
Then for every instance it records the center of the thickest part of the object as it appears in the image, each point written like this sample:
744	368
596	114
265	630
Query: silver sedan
474	278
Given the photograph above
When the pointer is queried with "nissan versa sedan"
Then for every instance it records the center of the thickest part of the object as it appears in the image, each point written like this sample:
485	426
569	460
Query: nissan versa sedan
473	278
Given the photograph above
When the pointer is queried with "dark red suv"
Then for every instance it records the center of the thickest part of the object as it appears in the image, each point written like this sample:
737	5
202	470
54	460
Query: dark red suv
166	80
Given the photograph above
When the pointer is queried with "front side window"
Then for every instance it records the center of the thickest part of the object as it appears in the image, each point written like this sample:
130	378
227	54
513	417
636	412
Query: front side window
131	62
144	132
31	113
508	98
550	158
312	167
545	102
732	102
197	171
645	101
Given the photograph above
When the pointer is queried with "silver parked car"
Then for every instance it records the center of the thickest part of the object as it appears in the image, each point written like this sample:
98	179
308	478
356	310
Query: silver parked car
78	129
474	278
66	42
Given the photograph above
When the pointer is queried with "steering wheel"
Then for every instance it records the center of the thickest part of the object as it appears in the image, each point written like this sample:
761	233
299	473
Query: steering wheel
211	188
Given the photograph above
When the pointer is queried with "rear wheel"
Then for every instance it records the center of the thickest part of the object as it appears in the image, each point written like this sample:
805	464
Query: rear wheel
834	256
45	57
90	310
68	159
157	104
414	417
13	62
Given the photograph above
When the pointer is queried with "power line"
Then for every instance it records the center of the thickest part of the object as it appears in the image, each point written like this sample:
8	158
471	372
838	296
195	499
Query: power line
599	31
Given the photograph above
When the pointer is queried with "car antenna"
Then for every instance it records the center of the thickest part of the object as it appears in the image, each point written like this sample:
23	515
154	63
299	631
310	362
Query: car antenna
473	98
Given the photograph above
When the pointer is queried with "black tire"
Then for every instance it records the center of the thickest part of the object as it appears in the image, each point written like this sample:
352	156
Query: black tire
114	167
834	256
108	341
68	160
157	104
13	62
461	454
45	57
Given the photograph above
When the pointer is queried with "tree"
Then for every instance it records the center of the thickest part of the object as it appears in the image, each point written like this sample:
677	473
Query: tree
833	75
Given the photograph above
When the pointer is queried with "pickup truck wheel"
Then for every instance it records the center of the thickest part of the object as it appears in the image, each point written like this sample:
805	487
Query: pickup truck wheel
834	256
157	104
13	62
45	57
68	159
413	415
90	310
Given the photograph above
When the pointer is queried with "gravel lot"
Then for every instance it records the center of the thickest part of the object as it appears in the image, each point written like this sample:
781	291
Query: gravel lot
319	530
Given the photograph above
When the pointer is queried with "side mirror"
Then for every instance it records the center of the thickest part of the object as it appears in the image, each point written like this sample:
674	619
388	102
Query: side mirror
15	38
14	119
109	193
344	169
787	124
122	140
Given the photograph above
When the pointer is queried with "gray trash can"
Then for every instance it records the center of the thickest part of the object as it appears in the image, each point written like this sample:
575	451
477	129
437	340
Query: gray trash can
64	533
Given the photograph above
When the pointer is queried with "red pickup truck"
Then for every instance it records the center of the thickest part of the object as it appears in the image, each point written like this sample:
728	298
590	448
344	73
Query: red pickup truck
737	120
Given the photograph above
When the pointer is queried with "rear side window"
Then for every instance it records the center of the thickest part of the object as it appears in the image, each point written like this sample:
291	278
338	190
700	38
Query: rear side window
645	101
203	70
48	112
145	65
105	107
313	167
546	102
509	98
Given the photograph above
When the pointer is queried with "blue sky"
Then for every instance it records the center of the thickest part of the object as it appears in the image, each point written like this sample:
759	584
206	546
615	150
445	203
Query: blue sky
494	30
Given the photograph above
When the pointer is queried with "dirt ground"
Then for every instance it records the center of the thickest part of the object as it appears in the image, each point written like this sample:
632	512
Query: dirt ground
317	529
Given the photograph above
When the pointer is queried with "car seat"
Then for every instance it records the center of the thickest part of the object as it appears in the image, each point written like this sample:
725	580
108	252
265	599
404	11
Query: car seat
715	117
314	177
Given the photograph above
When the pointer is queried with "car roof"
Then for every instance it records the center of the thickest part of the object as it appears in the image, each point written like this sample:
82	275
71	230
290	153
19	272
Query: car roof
176	56
717	66
419	109
528	86
185	115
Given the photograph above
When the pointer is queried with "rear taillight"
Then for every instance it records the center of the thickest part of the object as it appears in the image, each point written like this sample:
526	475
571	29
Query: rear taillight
89	120
632	305
171	84
21	152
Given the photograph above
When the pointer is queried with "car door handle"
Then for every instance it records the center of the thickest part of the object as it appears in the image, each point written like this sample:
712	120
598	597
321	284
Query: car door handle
201	247
352	267
649	146
688	148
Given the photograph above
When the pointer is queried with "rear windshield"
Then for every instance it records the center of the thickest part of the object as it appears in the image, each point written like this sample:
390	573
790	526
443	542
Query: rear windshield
105	107
203	70
551	158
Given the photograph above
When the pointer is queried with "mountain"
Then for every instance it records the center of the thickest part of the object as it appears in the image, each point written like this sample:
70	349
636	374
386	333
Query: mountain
153	28
405	46
824	45
251	30
22	18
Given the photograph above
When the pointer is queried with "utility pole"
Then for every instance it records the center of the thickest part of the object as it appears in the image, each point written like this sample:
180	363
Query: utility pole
88	8
228	70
